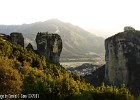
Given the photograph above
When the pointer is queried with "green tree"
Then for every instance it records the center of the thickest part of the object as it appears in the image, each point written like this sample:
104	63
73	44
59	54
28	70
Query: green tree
10	79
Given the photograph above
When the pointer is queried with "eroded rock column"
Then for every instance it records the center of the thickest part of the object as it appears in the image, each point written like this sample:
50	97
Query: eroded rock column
123	58
49	45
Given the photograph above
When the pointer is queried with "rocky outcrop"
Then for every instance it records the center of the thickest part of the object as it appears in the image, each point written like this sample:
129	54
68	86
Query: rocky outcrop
49	45
15	38
129	29
29	46
123	58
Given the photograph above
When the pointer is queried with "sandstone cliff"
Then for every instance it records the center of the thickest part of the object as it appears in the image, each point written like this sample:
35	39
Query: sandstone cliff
123	58
49	45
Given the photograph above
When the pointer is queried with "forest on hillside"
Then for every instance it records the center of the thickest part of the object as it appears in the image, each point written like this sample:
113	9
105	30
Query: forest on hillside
24	72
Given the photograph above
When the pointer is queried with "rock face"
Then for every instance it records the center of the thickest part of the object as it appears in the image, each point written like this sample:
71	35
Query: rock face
49	45
15	38
29	46
123	58
128	29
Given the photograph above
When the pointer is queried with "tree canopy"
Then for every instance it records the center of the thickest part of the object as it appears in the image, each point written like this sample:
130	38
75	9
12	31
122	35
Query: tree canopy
23	71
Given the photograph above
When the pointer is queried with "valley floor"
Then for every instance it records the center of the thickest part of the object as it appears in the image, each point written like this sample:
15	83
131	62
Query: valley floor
73	64
82	68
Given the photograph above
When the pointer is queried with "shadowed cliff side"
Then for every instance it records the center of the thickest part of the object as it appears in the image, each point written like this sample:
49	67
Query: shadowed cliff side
49	45
123	58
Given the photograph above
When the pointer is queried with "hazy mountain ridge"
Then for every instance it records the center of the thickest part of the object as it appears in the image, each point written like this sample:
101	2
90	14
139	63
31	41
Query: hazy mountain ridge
76	41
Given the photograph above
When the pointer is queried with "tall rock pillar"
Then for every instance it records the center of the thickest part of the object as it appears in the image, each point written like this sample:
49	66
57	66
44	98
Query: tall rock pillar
123	58
49	45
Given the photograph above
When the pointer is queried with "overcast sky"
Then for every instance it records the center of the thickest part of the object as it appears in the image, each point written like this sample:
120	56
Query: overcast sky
110	15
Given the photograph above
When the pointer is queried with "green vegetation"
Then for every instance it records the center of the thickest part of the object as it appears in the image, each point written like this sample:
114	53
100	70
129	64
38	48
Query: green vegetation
23	71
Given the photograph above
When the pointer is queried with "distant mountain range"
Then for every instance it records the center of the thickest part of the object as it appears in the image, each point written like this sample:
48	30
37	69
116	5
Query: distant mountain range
76	41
